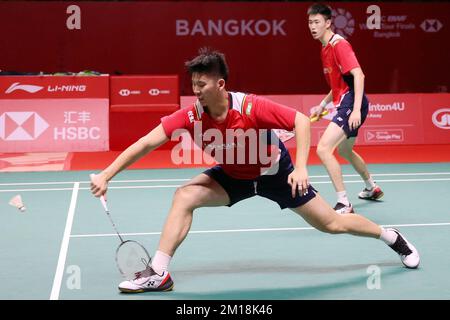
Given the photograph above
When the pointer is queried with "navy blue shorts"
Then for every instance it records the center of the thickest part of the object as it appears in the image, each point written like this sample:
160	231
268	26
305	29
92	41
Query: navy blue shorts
273	187
345	109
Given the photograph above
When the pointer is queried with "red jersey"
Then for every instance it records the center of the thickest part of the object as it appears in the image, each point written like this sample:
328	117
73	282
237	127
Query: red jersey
338	58
246	112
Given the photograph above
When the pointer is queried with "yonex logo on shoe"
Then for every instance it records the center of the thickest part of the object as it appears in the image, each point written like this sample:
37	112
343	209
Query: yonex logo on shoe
151	283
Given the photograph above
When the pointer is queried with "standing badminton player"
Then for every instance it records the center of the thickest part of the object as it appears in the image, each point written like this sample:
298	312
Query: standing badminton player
232	181
346	79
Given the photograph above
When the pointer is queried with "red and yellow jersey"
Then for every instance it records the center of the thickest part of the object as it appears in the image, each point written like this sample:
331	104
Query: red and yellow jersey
338	59
247	114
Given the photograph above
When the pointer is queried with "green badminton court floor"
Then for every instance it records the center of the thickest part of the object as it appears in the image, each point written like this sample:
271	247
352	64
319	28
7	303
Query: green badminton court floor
63	246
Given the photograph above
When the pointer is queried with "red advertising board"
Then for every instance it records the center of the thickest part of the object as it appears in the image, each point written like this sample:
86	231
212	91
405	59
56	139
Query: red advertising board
148	90
436	118
394	119
48	114
53	87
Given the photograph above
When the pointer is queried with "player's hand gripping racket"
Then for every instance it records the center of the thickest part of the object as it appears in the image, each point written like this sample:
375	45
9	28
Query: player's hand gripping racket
285	135
131	256
318	117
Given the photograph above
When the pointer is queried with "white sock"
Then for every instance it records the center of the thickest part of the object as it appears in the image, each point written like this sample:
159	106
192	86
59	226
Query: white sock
388	236
160	262
342	197
370	184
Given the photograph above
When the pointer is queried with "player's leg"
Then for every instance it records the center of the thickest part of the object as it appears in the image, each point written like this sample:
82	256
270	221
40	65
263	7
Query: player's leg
330	139
321	216
201	191
371	191
345	149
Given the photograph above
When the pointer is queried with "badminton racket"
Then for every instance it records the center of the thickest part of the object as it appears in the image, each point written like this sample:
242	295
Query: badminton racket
285	135
318	117
131	256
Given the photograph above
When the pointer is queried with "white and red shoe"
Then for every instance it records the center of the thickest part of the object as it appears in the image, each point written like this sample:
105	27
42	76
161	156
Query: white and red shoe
371	194
147	280
343	209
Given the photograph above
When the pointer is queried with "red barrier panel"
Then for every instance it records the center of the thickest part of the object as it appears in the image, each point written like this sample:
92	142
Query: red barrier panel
46	114
137	105
53	87
149	89
436	118
128	123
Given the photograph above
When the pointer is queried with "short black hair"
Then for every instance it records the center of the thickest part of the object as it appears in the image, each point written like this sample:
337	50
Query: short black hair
320	8
209	61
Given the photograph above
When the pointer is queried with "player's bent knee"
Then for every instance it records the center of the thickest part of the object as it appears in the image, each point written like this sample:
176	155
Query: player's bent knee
323	150
186	196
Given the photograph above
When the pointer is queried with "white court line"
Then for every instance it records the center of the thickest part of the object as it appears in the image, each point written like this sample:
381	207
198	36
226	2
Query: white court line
247	230
389	125
179	185
72	182
64	245
174	180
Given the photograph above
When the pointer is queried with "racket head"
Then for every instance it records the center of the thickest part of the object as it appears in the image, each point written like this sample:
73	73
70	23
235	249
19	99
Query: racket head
131	257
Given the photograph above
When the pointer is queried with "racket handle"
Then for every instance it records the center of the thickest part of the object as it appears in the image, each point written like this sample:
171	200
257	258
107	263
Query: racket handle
317	118
103	201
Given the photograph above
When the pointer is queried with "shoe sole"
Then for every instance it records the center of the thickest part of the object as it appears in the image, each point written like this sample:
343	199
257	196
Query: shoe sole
377	197
123	290
352	211
169	288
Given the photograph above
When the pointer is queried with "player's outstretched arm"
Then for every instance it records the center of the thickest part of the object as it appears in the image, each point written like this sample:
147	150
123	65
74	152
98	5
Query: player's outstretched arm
358	79
144	145
299	177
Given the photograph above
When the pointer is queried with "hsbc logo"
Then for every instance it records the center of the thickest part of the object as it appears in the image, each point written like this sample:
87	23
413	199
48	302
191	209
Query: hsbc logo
431	25
441	118
21	126
24	87
157	92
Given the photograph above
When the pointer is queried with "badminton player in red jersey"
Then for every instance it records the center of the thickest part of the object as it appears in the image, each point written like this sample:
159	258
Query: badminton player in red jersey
346	79
235	114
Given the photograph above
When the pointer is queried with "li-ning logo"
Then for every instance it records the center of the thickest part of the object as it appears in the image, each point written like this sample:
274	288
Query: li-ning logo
67	88
21	126
441	118
25	87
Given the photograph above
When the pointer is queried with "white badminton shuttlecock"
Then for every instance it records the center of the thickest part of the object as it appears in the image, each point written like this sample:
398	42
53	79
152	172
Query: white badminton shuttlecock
16	201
